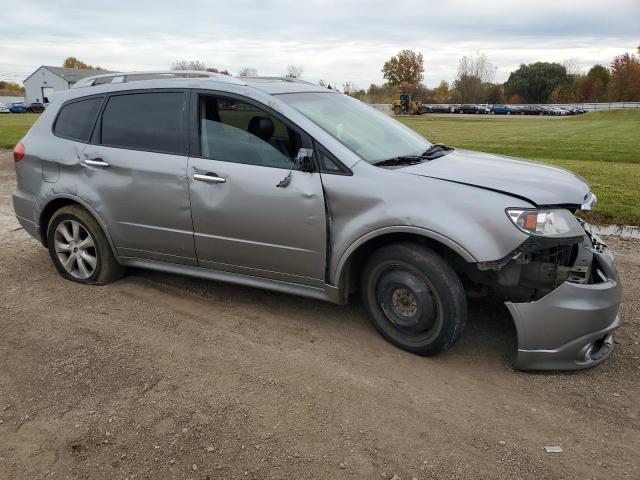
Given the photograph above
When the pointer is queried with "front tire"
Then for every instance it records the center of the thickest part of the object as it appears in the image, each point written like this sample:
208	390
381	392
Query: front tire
414	298
79	248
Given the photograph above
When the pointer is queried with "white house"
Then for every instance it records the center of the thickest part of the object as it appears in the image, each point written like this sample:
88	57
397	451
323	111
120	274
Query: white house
46	80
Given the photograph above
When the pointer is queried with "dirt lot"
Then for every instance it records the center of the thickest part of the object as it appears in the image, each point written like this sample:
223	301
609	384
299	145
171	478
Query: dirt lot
159	376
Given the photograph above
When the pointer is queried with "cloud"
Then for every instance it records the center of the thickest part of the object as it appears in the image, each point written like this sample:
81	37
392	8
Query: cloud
335	41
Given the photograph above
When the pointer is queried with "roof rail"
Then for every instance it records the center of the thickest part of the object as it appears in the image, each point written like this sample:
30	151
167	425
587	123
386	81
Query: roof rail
282	79
125	77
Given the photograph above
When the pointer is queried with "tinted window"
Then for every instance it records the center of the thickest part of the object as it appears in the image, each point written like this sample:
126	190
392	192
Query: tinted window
76	119
327	165
146	121
236	131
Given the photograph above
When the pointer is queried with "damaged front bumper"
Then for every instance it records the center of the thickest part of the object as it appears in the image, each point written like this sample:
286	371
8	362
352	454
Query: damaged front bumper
570	327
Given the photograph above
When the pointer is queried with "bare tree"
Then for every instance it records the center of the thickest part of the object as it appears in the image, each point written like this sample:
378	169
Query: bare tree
294	71
348	88
196	65
572	65
322	83
473	74
188	65
248	72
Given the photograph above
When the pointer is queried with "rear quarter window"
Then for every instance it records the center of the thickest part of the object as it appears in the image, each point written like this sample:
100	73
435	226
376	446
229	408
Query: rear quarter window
76	119
153	121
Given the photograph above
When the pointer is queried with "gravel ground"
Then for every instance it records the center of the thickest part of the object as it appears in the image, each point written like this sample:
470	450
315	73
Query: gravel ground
159	376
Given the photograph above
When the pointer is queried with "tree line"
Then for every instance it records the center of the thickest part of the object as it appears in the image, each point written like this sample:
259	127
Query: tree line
11	89
539	82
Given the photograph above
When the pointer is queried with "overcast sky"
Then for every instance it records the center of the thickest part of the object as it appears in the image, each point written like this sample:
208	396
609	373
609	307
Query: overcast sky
336	41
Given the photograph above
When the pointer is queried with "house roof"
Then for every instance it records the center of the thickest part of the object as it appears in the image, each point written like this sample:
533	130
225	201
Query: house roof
71	75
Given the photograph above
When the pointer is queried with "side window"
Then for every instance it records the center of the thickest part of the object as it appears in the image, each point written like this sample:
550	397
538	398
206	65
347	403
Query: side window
327	165
76	119
153	121
236	131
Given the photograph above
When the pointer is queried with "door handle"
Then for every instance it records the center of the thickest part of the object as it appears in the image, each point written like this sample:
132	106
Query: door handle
209	178
95	162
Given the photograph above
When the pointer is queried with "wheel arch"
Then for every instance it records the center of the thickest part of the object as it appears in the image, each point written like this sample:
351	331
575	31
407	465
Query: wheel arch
55	203
352	261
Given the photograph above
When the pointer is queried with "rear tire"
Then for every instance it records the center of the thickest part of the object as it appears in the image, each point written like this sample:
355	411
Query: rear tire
397	110
414	298
79	248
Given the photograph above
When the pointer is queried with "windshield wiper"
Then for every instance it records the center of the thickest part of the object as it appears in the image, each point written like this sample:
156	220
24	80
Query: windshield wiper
401	160
434	151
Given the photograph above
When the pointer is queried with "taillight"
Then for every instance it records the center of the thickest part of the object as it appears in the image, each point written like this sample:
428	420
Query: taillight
18	152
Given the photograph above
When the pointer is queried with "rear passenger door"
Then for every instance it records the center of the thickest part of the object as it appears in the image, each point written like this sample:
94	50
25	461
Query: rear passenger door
134	174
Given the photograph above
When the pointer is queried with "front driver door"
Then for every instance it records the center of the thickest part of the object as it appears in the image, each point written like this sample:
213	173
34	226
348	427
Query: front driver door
243	221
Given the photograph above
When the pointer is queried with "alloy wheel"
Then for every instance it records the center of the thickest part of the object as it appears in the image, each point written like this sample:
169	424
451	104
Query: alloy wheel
75	249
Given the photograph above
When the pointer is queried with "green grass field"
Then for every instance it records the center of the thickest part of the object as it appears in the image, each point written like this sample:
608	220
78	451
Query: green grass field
13	126
603	147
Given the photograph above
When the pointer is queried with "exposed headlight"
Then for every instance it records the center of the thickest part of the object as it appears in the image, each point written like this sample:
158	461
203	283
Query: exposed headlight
590	201
546	222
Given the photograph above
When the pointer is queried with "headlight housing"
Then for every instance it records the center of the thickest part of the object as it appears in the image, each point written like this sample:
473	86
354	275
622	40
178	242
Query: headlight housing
557	223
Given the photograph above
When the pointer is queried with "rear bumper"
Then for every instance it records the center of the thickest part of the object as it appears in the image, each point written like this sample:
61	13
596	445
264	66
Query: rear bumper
24	208
571	327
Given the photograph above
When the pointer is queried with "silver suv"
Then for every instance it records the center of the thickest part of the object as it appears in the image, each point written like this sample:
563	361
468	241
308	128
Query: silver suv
280	184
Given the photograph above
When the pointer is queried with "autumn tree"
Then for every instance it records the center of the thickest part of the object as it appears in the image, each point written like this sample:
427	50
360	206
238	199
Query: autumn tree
442	92
10	86
625	78
599	77
494	93
535	82
10	89
592	87
405	68
73	62
248	72
294	71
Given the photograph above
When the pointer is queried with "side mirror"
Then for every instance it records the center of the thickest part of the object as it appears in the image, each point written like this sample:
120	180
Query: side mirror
304	159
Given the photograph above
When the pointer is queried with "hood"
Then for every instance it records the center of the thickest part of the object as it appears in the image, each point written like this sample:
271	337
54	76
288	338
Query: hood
537	183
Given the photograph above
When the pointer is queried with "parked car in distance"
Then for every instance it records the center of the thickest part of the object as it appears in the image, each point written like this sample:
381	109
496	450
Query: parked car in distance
281	184
18	107
549	110
572	110
472	108
440	108
500	109
532	110
35	107
4	108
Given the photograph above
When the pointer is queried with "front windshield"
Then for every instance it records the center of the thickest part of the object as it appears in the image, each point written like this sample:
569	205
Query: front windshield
371	134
